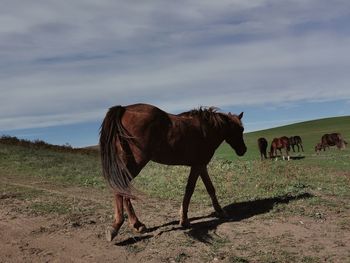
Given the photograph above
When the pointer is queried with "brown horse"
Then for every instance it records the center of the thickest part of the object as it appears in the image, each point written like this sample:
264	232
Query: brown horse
262	144
333	139
279	144
133	135
296	141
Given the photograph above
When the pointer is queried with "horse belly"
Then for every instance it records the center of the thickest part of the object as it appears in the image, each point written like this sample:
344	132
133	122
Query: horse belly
189	156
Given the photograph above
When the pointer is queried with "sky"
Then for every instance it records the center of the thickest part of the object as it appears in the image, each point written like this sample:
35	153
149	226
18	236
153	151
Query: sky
64	63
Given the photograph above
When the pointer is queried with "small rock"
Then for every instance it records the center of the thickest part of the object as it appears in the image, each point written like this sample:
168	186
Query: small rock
76	224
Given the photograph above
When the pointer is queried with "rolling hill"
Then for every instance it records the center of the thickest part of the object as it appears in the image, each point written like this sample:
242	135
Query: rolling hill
310	132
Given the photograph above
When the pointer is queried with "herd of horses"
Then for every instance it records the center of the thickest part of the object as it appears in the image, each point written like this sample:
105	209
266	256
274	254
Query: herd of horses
133	135
284	144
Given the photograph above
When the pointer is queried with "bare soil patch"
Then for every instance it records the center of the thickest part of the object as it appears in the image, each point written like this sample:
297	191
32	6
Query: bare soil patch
35	228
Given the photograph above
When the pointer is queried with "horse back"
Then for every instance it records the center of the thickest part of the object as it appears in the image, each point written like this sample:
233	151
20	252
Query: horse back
295	140
279	143
331	139
167	138
284	141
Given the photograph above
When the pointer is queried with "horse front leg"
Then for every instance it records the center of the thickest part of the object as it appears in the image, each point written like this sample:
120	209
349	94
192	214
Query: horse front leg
134	222
191	183
112	231
280	154
211	191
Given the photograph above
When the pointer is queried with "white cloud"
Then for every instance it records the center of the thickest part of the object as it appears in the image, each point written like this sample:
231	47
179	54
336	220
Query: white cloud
65	62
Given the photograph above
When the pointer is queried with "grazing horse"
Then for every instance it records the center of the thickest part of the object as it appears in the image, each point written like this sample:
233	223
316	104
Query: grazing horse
262	144
333	139
133	135
296	141
319	147
279	144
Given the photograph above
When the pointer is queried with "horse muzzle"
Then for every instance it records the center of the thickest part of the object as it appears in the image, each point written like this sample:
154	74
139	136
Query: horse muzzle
241	151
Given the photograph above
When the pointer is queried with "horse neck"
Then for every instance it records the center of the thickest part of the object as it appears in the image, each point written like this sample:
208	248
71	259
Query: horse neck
216	133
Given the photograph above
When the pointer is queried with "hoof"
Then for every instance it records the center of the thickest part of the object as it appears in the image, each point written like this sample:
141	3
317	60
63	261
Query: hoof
185	223
111	233
221	214
139	227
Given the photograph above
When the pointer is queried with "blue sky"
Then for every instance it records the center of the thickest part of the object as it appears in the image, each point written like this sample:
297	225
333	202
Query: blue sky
64	63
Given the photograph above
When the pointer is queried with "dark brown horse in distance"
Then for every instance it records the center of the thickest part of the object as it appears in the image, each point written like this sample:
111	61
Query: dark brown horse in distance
133	135
333	139
262	144
280	144
296	141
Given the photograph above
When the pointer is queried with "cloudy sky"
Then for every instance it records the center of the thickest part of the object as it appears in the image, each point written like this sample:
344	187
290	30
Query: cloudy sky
64	63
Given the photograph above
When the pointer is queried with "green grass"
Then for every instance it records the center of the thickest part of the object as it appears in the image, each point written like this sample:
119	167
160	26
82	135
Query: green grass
236	179
63	168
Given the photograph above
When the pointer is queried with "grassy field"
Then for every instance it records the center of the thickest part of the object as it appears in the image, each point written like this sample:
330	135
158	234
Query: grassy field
241	178
310	132
315	188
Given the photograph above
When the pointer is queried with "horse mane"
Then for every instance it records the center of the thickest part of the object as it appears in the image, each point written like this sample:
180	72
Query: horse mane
207	114
209	118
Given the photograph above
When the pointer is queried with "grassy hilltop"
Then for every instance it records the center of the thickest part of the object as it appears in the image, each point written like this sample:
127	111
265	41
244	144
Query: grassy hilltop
310	132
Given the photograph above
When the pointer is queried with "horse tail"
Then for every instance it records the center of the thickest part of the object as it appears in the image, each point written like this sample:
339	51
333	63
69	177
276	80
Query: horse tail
114	169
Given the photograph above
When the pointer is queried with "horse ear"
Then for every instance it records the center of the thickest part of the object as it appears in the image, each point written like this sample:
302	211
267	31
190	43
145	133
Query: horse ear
240	116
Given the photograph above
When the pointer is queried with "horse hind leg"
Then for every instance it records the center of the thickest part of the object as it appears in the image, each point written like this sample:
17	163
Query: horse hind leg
287	154
281	154
134	222
265	154
112	231
275	154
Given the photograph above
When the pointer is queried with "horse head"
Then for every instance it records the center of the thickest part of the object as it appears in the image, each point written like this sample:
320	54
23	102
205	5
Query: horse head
234	133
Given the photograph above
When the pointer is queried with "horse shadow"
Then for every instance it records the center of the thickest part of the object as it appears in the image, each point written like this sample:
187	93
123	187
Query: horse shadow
297	157
235	213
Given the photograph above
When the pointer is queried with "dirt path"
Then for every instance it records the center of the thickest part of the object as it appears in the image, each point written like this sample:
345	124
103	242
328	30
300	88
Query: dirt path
253	233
